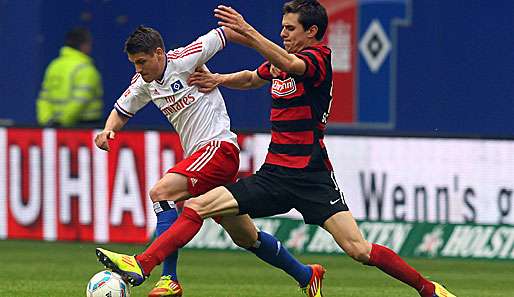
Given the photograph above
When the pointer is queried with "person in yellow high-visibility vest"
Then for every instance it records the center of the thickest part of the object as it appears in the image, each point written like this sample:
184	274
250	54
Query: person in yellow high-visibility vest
71	92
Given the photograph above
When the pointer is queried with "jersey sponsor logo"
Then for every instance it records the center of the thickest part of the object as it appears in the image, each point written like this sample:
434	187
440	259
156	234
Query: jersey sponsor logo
283	87
127	92
179	105
170	99
177	86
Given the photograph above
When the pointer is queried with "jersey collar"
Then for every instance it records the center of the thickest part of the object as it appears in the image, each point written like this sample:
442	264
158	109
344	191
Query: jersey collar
161	80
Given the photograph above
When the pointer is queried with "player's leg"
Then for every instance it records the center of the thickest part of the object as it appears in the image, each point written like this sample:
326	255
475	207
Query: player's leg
201	169
216	163
320	201
265	246
170	188
265	194
137	268
217	202
345	231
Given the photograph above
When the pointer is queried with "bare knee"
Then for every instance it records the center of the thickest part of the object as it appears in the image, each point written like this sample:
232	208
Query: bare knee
157	193
358	250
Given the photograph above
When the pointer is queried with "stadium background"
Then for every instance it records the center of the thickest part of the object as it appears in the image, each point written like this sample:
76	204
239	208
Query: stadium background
421	136
453	67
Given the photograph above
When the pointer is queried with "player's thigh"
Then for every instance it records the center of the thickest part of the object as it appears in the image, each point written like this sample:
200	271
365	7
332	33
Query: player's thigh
316	196
217	202
215	164
259	195
241	229
346	233
171	187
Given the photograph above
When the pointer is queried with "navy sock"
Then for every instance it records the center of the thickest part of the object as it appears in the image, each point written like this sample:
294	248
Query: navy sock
271	251
166	216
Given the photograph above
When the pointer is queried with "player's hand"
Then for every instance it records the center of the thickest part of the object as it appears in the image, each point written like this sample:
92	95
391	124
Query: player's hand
230	18
275	71
203	79
102	139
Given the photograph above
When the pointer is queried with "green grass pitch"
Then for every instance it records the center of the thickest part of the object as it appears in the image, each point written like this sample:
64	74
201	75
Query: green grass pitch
42	269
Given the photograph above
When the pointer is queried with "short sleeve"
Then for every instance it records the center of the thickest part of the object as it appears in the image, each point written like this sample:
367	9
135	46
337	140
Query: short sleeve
263	71
316	64
133	99
188	58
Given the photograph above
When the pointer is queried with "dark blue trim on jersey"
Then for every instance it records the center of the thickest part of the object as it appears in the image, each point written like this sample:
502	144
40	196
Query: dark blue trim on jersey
121	113
161	80
224	36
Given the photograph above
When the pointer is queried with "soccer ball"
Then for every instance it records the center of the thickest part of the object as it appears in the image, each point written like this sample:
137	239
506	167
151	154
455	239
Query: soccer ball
107	284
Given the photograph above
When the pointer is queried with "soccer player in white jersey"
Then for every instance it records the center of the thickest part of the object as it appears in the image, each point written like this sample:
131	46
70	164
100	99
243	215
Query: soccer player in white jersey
211	151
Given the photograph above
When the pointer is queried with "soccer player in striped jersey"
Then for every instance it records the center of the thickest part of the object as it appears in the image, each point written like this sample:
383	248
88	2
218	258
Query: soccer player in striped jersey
297	172
210	148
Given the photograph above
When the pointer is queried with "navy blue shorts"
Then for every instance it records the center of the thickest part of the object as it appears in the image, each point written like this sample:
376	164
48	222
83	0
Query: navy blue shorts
275	190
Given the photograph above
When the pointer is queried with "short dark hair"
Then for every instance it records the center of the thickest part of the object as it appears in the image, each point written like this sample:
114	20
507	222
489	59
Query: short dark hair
143	40
77	37
311	13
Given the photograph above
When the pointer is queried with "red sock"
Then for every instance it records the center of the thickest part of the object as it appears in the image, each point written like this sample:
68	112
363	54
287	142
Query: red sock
179	234
390	263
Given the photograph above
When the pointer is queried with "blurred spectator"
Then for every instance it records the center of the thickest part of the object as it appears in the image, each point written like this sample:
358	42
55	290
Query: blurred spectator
71	92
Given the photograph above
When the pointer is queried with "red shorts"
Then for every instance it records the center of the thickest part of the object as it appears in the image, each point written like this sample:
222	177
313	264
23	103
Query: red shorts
215	164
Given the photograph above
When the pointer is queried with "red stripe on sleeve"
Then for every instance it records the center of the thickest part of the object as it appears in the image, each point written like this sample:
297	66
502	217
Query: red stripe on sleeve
322	67
264	72
134	78
176	53
291	113
303	137
310	68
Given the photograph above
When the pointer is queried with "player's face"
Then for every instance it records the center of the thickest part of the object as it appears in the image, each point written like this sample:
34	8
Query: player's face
294	36
150	66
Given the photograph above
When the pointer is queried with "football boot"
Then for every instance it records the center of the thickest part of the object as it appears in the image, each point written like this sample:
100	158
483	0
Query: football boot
125	265
166	287
313	288
441	291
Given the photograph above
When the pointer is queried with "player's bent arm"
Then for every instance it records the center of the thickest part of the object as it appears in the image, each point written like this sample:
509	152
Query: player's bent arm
114	123
242	80
276	55
241	32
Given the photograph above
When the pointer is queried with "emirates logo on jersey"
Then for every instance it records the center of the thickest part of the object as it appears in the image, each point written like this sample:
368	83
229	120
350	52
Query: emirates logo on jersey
179	105
282	88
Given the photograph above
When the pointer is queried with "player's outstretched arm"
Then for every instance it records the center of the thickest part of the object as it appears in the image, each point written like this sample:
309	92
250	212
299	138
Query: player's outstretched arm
242	80
247	35
114	123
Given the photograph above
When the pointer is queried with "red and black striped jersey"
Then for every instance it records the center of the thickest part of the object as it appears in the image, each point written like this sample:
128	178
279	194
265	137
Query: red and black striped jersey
299	111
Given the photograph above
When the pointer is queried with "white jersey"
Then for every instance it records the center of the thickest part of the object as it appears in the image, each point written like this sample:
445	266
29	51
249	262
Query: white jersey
197	117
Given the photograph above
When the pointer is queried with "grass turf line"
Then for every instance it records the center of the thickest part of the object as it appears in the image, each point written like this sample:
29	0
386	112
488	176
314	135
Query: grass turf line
44	269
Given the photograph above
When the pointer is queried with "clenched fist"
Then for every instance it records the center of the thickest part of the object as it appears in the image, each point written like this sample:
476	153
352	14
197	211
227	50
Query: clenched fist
102	139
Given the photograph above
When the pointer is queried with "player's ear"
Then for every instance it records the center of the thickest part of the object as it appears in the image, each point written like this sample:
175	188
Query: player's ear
312	31
159	51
